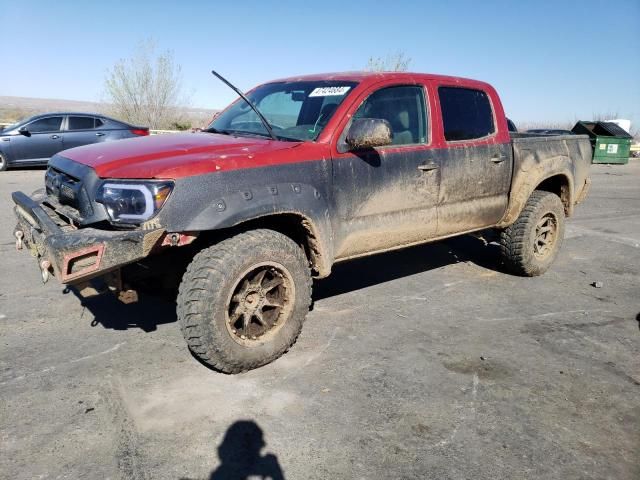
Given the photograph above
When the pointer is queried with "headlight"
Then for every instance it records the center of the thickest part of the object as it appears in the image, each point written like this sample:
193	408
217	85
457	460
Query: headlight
133	202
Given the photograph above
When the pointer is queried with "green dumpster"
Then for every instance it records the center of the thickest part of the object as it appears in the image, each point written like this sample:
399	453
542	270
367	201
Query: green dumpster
610	143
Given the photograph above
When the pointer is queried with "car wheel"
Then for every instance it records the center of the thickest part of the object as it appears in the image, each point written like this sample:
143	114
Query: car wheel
532	243
3	163
242	302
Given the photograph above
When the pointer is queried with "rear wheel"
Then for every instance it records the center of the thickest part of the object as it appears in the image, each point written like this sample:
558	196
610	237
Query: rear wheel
242	302
3	163
532	243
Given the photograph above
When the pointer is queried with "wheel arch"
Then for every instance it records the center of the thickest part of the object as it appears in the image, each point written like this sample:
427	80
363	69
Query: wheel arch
557	182
561	185
299	227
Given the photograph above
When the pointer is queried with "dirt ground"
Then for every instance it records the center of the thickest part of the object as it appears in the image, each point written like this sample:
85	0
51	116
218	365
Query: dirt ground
424	363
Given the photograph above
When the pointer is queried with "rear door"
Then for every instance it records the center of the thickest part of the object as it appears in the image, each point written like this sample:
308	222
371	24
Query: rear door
44	140
476	161
81	130
386	197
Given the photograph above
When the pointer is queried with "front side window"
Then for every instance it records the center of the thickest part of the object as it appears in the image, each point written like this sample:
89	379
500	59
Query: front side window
48	124
403	107
295	110
81	123
466	113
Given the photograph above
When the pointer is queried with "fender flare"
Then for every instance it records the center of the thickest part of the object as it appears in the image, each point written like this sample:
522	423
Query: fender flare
525	186
233	208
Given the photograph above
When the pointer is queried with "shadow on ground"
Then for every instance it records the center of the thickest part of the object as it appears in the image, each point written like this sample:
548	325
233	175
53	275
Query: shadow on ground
151	311
26	168
372	270
240	455
146	314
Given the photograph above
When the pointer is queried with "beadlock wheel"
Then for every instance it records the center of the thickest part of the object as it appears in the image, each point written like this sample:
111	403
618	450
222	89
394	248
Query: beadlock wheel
531	244
260	303
546	232
242	302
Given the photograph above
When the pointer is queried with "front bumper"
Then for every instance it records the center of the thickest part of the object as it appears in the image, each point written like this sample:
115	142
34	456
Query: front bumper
76	255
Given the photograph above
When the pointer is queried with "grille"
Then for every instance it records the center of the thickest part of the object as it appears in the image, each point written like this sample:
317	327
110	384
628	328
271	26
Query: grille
66	193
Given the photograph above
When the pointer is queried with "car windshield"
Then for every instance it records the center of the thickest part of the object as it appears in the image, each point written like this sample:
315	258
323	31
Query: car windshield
15	124
296	111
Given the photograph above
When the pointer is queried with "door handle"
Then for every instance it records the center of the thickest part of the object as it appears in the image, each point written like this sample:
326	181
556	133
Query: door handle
99	134
55	137
428	167
498	158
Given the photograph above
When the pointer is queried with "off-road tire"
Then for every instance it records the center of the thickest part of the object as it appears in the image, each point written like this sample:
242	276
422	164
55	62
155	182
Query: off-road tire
211	279
518	241
3	163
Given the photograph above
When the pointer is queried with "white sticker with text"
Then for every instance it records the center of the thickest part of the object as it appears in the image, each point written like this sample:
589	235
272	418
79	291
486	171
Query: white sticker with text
329	91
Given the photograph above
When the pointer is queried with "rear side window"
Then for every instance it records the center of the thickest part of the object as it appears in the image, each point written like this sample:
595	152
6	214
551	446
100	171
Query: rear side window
99	123
48	124
81	123
466	113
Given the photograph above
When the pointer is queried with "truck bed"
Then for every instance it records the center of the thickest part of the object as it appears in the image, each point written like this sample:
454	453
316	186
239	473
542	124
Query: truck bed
537	157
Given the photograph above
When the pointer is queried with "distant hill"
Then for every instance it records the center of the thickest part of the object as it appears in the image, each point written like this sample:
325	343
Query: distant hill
14	108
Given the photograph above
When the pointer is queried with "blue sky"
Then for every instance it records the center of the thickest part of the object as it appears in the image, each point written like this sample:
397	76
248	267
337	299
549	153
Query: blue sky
549	60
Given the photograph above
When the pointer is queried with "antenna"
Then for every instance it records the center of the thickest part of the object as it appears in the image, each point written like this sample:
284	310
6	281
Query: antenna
249	102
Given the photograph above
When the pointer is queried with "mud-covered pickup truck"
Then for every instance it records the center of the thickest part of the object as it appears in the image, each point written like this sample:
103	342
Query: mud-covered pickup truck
295	176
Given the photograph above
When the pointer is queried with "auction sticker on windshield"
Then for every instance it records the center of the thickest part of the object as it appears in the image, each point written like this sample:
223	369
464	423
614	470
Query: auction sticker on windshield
329	91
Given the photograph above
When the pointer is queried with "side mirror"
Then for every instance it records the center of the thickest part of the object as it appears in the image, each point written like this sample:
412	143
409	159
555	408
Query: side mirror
24	131
369	133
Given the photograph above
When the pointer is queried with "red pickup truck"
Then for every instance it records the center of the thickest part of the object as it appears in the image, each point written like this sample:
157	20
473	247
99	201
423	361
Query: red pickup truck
301	173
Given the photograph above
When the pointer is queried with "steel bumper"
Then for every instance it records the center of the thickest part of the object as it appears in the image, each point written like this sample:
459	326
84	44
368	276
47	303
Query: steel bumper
76	255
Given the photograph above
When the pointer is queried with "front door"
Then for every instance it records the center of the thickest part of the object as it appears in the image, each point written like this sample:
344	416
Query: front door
43	139
386	197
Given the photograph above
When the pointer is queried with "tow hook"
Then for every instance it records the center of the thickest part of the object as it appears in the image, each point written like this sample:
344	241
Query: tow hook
19	234
45	265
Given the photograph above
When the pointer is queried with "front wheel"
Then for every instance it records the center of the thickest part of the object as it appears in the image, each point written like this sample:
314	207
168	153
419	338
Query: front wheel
532	243
242	302
3	163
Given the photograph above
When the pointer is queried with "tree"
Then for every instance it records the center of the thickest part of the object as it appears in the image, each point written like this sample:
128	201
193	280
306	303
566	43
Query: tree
397	62
146	89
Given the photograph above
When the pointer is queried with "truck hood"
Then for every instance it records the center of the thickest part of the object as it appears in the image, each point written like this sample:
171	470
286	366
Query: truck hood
176	155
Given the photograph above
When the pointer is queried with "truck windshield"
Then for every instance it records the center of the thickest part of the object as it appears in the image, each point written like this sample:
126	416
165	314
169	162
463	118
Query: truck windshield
296	111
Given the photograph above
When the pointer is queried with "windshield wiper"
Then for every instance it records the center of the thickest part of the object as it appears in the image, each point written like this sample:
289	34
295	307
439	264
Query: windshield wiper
241	133
215	130
250	103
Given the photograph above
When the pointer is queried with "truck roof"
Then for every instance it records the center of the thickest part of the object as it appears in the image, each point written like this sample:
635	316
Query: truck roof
372	77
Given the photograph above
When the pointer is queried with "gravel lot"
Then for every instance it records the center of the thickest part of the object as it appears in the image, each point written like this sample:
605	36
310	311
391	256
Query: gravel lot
424	363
